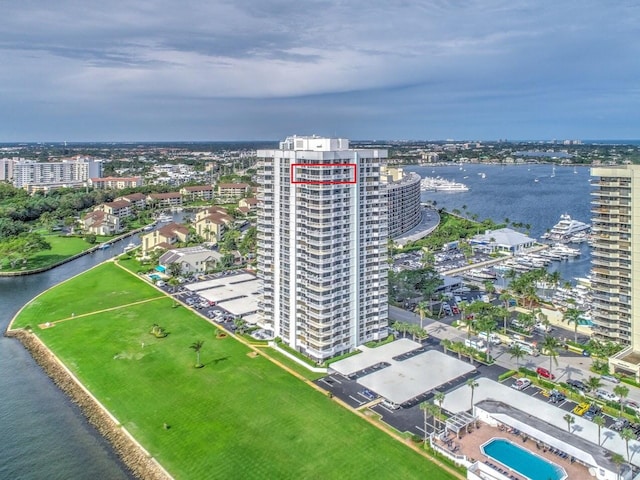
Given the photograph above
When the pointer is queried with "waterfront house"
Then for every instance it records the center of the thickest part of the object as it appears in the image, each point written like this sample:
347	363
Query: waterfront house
211	222
165	200
503	240
119	208
191	259
164	237
231	191
137	200
100	222
198	192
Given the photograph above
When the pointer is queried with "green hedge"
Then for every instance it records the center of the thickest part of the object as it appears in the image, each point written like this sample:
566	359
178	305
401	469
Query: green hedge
506	375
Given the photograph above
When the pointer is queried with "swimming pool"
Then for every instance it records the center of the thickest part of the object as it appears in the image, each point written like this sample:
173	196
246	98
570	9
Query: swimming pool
522	461
154	276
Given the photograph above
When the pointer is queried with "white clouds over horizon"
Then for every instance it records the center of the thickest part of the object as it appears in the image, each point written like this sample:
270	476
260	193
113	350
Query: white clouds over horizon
158	69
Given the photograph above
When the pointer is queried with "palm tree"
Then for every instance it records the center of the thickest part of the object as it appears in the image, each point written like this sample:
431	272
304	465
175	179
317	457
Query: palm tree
504	313
421	309
627	434
488	325
472	384
458	347
618	460
593	383
463	308
622	392
445	344
197	346
429	409
516	351
550	345
489	287
572	315
600	422
570	419
439	397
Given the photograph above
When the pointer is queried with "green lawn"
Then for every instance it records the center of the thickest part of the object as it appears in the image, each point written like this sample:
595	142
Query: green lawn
238	417
105	286
62	247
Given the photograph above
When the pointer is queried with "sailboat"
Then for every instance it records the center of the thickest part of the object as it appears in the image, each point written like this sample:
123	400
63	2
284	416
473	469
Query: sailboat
553	171
574	170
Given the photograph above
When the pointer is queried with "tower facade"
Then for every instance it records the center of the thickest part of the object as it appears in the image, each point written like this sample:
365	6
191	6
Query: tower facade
322	245
615	254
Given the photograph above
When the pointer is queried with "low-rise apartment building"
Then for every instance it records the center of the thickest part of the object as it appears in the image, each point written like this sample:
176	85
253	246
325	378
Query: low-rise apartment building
164	237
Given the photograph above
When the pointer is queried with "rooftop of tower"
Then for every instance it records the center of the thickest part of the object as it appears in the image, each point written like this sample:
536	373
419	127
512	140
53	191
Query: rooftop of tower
314	143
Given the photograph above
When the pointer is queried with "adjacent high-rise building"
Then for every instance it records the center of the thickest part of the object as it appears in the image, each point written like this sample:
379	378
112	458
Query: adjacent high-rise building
615	272
403	200
32	175
322	245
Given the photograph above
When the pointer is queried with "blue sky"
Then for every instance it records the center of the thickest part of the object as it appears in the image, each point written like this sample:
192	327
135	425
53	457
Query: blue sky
364	69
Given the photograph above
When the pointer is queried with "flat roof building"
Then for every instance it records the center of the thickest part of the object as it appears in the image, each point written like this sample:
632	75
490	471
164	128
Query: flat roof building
322	245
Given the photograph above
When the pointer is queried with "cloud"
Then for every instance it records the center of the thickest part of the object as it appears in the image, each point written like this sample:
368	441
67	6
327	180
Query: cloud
92	56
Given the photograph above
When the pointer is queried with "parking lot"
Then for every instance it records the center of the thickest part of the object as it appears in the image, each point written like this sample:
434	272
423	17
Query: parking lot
237	296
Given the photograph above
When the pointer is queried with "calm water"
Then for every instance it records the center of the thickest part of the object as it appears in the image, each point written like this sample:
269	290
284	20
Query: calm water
512	192
43	435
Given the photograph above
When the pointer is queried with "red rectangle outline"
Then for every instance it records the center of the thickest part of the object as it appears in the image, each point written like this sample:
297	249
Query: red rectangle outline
328	182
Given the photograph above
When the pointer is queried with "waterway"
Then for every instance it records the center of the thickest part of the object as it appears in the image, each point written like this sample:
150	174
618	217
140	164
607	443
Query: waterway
42	434
534	195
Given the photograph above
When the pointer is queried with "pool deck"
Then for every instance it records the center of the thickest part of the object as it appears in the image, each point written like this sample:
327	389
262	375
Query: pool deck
470	446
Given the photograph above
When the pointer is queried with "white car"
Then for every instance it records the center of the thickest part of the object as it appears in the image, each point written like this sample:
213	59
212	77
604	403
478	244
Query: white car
521	383
633	405
607	395
610	378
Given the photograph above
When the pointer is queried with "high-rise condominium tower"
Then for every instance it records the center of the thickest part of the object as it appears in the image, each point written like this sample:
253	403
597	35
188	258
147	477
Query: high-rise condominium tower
322	245
615	272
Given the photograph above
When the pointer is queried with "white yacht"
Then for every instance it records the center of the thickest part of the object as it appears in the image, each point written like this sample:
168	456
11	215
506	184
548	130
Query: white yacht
438	184
566	228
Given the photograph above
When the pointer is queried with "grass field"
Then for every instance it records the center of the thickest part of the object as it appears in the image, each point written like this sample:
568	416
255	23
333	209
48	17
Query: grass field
238	417
102	287
62	247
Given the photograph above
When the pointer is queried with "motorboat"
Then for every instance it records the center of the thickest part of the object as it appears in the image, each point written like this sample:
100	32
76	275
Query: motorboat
130	247
566	228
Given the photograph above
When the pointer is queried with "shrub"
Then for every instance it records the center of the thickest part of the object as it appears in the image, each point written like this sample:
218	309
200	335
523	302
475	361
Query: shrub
506	375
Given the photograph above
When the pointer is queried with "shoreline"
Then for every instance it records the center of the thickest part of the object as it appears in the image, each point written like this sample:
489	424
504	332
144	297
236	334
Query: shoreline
134	457
20	273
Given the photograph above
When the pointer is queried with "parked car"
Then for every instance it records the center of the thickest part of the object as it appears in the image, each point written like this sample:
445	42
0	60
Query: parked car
543	372
592	412
610	378
577	384
607	395
521	383
491	338
477	344
557	396
581	408
368	394
620	424
633	405
542	328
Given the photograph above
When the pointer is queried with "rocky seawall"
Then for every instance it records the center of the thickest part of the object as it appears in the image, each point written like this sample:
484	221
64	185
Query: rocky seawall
140	463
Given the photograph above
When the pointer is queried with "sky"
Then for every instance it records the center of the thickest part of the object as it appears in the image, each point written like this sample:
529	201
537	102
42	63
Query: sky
166	70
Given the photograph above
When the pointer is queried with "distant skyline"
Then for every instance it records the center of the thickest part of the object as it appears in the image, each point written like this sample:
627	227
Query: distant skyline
362	69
